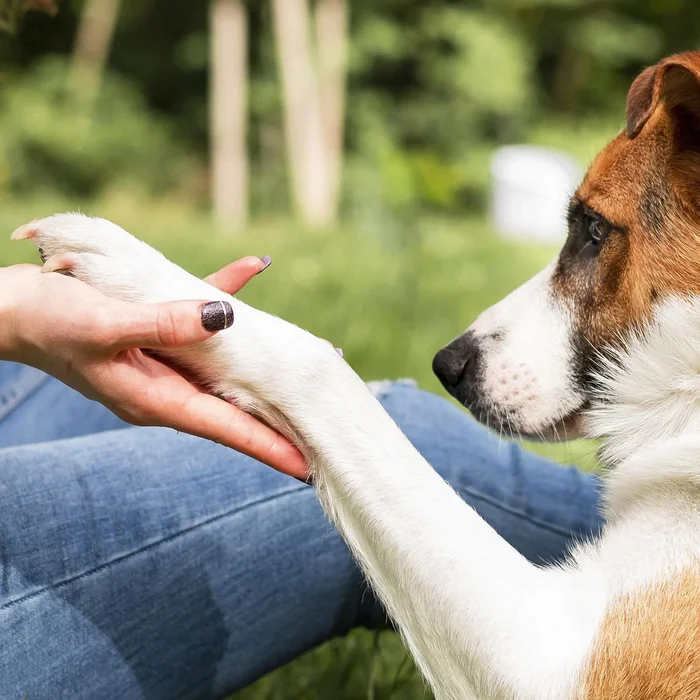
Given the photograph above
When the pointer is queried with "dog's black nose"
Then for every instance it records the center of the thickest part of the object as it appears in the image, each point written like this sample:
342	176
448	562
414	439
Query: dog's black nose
458	363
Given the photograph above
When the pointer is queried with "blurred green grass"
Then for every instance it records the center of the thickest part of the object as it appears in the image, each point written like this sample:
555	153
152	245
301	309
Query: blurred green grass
389	297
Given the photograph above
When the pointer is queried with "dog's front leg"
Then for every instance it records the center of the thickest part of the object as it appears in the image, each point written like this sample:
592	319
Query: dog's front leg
480	620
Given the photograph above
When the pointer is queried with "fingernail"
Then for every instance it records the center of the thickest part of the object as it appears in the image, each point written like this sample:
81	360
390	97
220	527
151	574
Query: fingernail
266	260
216	315
339	351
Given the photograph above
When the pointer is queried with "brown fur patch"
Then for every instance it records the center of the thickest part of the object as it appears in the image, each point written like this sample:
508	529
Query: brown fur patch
648	188
648	647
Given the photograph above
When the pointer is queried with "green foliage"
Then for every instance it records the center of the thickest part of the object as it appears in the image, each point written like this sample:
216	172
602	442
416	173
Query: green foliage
478	59
615	40
10	14
434	86
582	138
466	82
362	666
51	140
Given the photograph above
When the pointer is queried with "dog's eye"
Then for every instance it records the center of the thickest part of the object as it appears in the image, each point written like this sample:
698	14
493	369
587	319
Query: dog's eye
598	229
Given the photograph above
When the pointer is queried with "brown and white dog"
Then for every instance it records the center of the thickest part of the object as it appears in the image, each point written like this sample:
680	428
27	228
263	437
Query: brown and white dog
606	339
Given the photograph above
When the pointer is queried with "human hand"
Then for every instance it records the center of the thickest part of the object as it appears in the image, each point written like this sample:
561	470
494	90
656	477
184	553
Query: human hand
96	345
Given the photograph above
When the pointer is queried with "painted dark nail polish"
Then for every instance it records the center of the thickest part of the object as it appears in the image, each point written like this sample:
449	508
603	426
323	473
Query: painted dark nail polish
216	315
266	260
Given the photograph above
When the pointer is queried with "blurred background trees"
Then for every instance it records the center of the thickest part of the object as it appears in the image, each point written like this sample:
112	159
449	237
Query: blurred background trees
363	107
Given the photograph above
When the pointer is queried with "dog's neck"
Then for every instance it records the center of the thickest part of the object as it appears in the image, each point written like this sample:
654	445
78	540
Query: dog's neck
648	408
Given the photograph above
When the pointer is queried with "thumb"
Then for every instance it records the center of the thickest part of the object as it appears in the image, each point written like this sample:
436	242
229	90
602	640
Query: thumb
172	324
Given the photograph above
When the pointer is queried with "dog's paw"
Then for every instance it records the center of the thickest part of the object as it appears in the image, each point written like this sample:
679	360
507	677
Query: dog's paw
261	360
108	258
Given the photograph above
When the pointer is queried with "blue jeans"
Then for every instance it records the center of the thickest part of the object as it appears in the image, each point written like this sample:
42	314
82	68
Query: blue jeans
139	563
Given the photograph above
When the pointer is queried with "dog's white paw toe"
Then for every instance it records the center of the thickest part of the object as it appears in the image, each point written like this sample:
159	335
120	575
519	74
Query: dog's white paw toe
108	258
61	262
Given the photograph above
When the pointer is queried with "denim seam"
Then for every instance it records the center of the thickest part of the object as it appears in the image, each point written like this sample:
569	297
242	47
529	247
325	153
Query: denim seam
515	511
18	391
128	555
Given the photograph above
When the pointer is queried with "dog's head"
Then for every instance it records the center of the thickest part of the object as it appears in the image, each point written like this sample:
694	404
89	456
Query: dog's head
526	364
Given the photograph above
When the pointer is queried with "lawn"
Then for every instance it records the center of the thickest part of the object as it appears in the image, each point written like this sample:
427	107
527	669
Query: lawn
390	296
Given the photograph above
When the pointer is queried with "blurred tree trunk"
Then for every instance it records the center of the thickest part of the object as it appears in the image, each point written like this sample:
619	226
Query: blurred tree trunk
306	106
92	46
331	39
228	95
568	75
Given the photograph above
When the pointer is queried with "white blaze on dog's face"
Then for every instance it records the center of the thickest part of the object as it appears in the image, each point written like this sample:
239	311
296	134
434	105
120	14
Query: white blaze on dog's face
527	365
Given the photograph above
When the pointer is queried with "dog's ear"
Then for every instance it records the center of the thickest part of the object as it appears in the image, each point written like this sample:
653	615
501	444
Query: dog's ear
675	81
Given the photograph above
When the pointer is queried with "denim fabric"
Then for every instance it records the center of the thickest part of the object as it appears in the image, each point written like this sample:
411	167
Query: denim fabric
141	563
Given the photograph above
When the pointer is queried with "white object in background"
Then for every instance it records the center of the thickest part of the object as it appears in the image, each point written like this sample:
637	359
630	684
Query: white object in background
530	191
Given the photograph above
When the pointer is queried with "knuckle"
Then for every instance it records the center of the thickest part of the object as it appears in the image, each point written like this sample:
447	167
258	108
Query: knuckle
167	326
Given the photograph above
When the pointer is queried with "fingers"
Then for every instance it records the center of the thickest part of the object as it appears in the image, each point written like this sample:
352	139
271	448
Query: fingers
235	276
144	391
214	419
169	325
